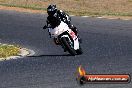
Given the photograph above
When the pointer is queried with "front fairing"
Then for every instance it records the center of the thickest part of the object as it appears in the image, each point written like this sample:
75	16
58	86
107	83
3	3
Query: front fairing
59	29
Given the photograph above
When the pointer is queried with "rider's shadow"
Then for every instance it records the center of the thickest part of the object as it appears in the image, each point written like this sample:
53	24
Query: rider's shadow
50	55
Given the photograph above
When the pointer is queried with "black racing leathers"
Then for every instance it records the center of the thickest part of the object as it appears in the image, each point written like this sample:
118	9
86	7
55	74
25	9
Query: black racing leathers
59	16
53	21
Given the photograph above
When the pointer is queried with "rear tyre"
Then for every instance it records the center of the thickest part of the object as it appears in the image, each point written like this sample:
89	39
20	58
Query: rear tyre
68	46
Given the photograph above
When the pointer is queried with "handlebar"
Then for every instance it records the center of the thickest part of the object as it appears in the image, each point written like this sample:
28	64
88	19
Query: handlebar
45	27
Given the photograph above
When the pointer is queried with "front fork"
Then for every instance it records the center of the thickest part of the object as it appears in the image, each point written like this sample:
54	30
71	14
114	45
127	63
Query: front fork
69	41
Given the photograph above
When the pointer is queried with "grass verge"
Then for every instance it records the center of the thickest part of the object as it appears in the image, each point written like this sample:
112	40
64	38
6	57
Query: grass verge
8	50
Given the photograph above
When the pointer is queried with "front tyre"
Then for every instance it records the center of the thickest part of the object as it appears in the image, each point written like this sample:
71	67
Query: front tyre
68	46
79	51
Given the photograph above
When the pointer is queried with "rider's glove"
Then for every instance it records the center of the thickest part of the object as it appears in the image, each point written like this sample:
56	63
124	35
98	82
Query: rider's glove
45	27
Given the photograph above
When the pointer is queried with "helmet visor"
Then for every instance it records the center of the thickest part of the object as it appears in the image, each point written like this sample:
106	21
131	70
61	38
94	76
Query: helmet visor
51	13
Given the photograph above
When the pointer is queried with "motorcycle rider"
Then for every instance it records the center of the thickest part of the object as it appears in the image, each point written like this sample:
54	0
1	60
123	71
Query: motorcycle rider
55	16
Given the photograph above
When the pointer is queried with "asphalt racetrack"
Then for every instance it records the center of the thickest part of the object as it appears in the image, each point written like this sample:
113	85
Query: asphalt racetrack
107	46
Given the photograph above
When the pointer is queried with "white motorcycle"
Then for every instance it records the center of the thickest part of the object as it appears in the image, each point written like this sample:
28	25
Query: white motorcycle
67	38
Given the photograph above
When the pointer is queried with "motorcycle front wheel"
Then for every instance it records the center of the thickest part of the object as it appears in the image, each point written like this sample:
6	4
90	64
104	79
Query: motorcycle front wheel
68	46
79	51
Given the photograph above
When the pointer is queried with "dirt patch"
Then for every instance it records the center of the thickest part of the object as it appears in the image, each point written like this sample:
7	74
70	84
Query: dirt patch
80	7
21	9
43	11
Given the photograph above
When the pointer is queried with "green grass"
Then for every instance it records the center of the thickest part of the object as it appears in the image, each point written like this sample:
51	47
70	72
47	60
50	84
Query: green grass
8	50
